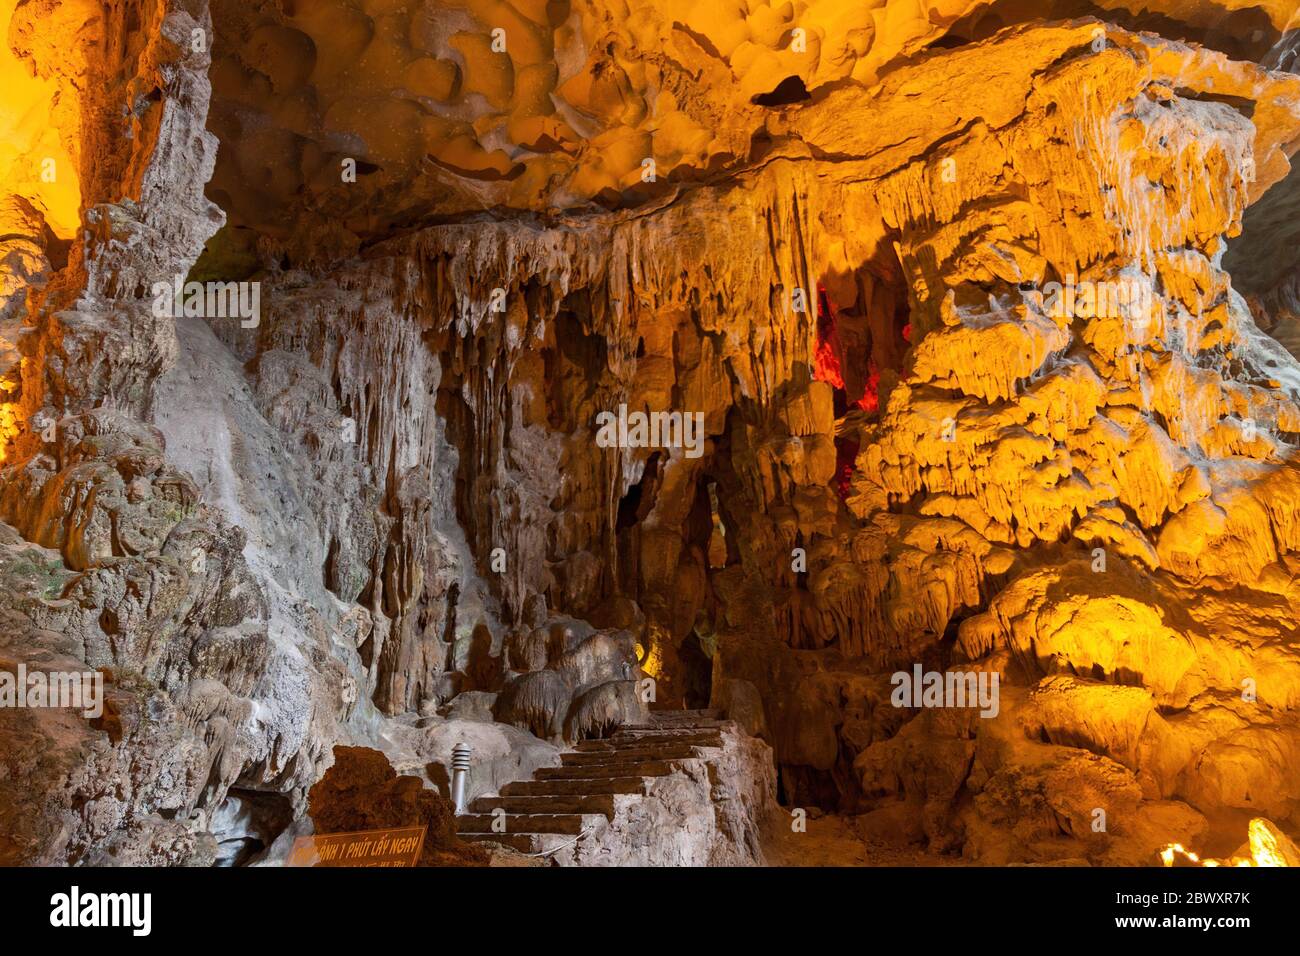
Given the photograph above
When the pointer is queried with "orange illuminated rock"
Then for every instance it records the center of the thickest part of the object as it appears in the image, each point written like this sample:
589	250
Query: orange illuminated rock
943	285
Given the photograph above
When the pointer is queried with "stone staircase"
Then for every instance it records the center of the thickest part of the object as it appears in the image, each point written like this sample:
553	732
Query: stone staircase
565	803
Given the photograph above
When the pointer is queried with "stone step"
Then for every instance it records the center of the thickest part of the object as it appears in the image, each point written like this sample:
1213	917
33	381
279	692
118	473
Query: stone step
646	768
683	716
670	727
547	803
584	786
628	755
631	741
667	740
523	842
573	823
662	734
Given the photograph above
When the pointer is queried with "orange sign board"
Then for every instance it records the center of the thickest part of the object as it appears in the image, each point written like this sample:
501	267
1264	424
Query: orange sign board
367	848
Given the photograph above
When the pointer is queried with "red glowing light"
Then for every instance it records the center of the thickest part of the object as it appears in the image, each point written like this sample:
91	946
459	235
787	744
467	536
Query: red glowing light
846	454
826	359
870	400
826	365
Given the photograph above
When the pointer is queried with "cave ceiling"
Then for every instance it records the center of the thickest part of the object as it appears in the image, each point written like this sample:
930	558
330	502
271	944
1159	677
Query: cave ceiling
573	109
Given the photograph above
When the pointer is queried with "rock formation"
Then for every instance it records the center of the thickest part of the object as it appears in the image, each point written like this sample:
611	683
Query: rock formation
935	311
362	792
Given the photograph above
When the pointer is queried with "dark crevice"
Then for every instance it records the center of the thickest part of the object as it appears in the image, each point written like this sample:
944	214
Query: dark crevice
788	91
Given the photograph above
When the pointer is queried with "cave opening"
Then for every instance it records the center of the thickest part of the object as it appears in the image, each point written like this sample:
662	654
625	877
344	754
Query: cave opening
860	350
1264	261
789	90
1248	33
717	549
686	663
697	670
639	499
247	822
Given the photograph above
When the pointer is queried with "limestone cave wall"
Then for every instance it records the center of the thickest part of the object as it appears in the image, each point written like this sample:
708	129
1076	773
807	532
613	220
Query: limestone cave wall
379	515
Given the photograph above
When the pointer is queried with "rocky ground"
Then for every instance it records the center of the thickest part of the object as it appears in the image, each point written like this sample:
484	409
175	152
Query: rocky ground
834	840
